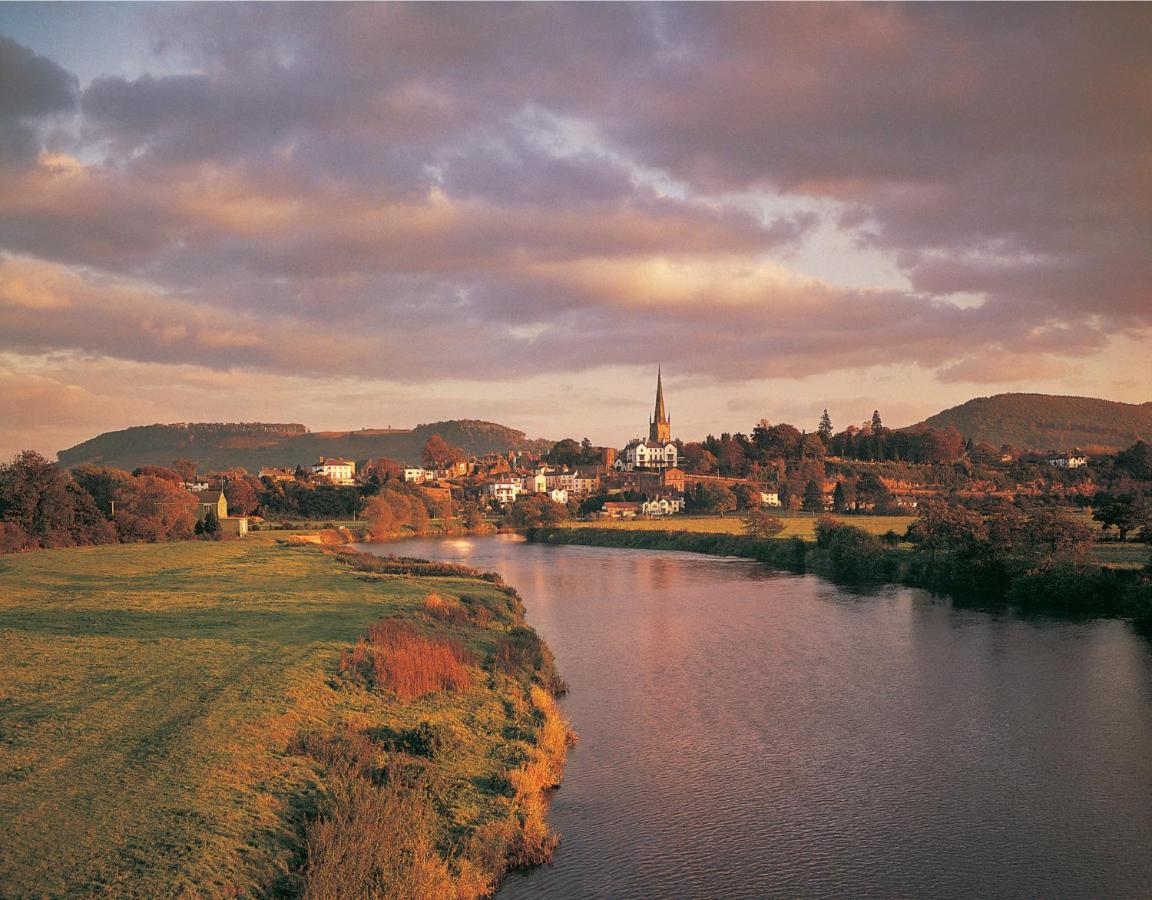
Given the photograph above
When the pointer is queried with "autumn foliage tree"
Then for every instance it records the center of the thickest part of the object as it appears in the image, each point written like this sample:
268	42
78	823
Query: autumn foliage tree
760	523
438	455
154	509
393	511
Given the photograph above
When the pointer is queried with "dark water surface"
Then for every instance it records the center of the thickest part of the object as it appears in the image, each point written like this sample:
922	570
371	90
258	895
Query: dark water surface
746	733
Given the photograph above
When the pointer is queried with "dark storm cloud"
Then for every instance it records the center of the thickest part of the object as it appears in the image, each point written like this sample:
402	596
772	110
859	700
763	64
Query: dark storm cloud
30	87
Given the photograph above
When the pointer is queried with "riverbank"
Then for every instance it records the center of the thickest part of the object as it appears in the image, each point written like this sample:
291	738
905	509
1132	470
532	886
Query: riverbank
199	718
1077	588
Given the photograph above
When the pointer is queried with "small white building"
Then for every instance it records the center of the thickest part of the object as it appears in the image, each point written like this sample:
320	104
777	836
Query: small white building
1073	460
770	498
341	471
558	495
504	491
647	455
418	476
662	506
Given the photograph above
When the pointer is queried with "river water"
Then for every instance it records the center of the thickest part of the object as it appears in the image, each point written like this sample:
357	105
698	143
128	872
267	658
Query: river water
749	733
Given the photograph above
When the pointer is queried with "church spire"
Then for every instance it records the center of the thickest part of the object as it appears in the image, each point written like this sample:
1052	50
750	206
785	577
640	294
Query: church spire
660	428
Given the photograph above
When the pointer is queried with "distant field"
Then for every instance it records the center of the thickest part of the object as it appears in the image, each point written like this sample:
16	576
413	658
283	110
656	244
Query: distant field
795	524
803	525
1122	556
149	700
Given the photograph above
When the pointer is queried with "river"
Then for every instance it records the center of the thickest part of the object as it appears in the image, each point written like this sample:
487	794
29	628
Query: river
750	733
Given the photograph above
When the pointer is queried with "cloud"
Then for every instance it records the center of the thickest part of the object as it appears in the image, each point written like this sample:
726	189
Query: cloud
404	192
31	87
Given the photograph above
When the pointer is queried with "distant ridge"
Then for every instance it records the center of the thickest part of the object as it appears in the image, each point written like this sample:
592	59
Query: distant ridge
224	445
1049	422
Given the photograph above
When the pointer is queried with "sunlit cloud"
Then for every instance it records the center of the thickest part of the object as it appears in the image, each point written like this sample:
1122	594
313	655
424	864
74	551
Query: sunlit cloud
461	197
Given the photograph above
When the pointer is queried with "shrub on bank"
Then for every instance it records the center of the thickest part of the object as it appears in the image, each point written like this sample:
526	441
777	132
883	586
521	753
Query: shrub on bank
396	658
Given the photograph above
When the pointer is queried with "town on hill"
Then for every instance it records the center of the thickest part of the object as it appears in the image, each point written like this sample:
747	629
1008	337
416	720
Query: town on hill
475	471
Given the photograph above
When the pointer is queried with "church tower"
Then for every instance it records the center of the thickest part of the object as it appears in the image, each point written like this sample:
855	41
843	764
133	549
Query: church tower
660	428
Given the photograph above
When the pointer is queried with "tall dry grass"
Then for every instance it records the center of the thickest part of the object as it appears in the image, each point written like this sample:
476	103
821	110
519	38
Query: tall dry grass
396	657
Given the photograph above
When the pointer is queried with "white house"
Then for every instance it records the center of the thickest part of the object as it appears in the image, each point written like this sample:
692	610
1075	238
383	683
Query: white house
558	495
769	498
1074	460
341	471
418	476
504	491
647	455
662	506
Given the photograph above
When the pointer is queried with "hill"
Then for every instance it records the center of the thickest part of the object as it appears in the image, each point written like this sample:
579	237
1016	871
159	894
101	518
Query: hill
223	445
1047	422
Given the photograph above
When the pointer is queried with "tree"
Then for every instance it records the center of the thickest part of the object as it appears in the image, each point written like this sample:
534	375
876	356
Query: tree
472	515
1122	513
877	424
210	524
941	526
566	453
186	469
384	469
438	455
392	511
844	496
871	491
776	441
101	482
712	498
533	510
824	429
158	472
151	509
1056	536
812	446
49	507
243	495
762	524
698	460
1136	461
813	497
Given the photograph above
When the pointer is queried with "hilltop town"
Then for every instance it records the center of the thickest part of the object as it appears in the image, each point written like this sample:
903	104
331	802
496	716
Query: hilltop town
861	469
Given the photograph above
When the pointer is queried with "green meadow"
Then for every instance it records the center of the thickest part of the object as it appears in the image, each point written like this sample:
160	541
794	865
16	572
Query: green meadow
803	525
153	700
796	524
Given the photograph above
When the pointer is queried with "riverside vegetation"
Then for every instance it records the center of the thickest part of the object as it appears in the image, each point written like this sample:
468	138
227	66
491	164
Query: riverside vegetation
1041	560
259	719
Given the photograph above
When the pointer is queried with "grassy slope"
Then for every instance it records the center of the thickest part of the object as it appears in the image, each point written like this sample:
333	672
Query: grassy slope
150	696
160	445
1048	422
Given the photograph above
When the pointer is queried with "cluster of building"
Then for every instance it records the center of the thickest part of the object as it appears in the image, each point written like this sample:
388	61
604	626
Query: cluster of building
645	469
642	479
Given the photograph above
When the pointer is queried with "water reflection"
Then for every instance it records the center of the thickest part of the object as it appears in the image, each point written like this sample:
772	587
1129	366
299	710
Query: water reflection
746	733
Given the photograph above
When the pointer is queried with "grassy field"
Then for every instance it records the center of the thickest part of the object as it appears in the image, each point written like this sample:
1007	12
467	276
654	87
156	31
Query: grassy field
152	698
803	525
796	524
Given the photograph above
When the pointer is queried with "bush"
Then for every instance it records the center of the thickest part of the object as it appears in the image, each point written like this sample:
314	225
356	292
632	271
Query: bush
396	658
521	654
374	841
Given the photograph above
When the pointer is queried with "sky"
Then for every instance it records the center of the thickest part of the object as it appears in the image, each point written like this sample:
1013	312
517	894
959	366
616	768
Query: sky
371	215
